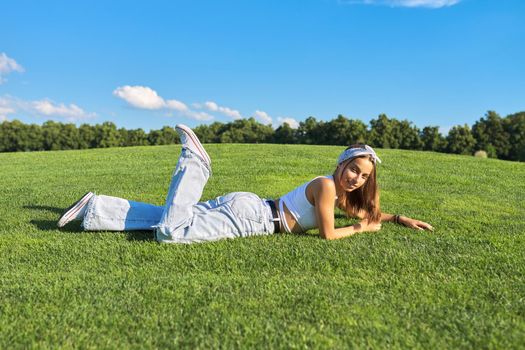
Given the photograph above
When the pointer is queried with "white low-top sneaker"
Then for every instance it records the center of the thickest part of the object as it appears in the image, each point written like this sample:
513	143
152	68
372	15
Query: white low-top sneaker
190	141
76	211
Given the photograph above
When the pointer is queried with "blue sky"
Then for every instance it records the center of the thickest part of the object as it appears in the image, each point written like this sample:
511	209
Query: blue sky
150	64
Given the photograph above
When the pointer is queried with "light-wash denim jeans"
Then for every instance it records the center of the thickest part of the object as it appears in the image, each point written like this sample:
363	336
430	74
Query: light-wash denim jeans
184	219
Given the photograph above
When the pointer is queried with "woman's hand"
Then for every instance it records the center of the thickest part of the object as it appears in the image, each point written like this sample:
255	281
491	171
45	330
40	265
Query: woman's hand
415	224
366	226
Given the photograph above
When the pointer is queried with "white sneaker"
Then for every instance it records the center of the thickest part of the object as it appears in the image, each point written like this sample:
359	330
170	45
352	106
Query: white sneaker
76	211
190	141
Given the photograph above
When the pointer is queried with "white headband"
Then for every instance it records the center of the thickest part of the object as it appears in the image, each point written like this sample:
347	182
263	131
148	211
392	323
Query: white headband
356	152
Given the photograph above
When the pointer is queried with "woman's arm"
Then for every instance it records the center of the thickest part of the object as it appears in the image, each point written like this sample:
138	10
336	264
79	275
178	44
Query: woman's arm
363	226
406	221
324	197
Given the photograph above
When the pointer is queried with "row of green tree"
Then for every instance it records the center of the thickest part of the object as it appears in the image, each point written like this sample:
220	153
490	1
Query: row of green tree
499	137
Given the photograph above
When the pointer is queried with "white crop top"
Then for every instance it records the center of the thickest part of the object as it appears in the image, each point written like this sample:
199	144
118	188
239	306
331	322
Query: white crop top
299	206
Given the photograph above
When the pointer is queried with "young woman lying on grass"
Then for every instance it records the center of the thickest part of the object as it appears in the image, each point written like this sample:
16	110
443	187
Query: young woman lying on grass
184	219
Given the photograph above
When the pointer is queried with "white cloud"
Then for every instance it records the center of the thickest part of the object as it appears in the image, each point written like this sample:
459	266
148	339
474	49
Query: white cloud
263	117
44	107
198	115
176	105
143	97
404	3
8	65
70	113
294	124
214	107
5	108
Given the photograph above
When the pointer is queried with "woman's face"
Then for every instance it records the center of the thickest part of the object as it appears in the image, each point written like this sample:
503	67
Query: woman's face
353	174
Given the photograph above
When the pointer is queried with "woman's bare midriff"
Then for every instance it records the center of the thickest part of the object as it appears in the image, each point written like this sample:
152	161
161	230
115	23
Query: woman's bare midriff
290	220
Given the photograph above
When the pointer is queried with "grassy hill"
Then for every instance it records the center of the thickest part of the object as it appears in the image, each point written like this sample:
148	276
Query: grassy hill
461	286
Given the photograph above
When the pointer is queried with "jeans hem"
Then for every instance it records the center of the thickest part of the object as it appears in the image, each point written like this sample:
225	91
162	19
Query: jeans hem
203	162
89	213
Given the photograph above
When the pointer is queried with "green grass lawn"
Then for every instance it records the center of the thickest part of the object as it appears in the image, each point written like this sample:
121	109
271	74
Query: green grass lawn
461	286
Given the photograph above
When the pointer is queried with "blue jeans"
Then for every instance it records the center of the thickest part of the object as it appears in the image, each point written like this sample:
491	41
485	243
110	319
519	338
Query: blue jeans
184	219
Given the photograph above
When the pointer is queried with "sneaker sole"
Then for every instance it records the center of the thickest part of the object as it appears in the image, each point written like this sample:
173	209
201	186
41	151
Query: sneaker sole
195	141
74	209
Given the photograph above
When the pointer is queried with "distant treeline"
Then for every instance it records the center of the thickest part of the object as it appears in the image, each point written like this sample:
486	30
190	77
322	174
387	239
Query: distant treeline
499	137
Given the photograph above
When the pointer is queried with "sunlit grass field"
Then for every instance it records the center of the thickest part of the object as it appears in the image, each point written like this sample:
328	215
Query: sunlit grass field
461	286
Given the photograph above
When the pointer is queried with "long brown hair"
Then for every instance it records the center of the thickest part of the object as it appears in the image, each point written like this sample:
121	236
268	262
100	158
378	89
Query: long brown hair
364	198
